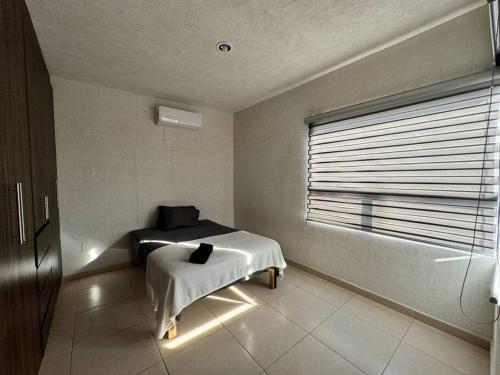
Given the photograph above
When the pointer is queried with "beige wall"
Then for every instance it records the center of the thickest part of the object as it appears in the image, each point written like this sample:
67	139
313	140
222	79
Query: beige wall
270	176
115	167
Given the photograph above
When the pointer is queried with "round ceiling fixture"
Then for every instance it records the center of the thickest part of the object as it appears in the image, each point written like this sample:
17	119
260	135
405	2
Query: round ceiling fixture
224	47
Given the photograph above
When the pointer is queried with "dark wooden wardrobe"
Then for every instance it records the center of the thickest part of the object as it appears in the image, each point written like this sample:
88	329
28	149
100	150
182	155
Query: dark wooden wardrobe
30	257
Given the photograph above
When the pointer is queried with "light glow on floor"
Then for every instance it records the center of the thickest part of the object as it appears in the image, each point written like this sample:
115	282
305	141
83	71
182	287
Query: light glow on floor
242	295
206	327
224	299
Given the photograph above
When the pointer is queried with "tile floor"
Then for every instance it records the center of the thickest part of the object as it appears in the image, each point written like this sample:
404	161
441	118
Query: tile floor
104	325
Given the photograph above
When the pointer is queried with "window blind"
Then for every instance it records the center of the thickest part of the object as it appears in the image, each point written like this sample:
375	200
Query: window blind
419	172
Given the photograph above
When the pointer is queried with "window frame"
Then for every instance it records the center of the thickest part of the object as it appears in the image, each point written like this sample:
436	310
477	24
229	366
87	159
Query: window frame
437	91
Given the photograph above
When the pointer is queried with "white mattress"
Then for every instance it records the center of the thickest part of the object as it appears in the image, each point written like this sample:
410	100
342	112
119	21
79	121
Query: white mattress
173	283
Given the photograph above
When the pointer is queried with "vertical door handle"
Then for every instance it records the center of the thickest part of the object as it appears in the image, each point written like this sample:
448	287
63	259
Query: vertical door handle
46	201
20	212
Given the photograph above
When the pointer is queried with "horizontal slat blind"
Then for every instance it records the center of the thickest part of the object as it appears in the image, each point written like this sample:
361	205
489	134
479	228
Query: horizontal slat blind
417	172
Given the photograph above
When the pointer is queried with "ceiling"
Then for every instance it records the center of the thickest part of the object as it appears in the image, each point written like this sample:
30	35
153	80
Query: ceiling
166	48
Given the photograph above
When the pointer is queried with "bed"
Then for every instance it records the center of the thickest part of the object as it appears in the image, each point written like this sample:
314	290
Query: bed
145	241
172	283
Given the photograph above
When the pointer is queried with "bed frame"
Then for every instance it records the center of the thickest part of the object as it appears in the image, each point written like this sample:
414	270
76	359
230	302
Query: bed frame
273	283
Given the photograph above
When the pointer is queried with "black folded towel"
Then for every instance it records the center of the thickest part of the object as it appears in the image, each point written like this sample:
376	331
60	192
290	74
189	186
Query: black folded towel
200	255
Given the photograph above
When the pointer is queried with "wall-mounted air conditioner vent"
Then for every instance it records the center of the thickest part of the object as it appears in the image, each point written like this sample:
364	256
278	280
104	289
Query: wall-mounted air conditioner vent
166	116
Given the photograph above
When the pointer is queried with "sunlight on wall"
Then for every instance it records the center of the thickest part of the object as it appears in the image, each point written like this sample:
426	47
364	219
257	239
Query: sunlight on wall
452	259
93	254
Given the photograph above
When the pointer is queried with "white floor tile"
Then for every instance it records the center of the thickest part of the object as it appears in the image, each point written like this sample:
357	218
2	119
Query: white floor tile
69	286
102	294
196	323
232	303
367	347
266	334
449	349
295	275
216	354
326	290
147	308
56	365
411	361
388	320
60	338
259	286
65	305
106	320
311	357
158	369
122	275
304	308
126	352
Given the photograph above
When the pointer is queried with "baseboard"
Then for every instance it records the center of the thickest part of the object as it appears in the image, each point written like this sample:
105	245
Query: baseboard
97	271
436	323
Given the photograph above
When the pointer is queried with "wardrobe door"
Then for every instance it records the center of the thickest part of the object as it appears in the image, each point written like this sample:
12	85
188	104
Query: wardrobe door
43	176
20	340
36	75
53	203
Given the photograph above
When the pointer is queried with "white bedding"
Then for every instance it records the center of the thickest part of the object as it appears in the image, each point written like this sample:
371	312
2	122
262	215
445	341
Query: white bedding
173	283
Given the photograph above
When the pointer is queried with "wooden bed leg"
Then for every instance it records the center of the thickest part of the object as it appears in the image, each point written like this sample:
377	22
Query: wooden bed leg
172	332
272	277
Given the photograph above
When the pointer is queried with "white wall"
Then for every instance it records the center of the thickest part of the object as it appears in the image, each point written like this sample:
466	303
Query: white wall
495	347
115	167
270	176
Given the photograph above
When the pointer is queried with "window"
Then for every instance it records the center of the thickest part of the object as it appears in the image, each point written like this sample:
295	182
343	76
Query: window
422	171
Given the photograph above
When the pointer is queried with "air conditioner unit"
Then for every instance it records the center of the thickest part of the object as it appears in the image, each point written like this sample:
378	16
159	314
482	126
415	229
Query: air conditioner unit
166	116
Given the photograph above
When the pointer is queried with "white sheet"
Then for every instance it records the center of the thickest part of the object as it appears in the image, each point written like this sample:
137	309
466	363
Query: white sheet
173	283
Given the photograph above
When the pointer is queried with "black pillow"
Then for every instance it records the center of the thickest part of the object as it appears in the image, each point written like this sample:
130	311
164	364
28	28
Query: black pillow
175	217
